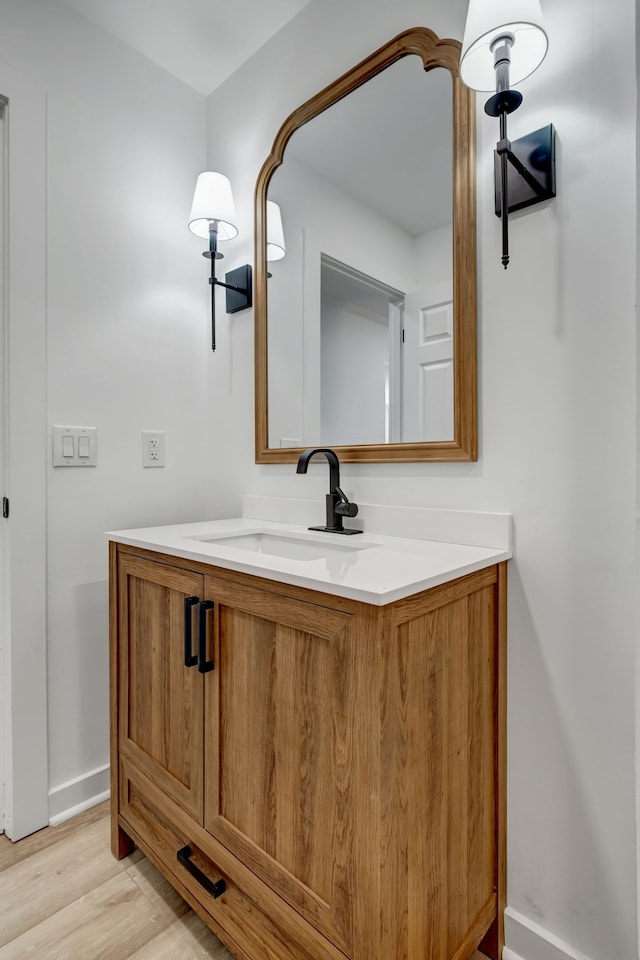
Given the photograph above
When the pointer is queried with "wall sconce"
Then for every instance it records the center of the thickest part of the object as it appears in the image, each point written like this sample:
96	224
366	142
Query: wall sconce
213	217
276	248
504	42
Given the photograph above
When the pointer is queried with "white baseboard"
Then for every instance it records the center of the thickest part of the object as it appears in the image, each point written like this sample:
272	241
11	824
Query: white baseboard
526	940
78	795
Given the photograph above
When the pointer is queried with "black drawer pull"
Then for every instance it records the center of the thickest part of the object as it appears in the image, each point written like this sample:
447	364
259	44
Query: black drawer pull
190	659
204	665
215	889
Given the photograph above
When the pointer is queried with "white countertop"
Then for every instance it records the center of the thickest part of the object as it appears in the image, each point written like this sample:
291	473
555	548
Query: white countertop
367	567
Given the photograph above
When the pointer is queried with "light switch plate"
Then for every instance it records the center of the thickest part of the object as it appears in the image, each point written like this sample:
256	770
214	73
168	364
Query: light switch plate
57	446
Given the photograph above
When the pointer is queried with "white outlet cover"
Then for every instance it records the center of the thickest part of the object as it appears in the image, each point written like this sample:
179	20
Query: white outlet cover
153	448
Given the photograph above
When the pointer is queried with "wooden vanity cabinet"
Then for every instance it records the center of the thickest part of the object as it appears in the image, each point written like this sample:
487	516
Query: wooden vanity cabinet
338	766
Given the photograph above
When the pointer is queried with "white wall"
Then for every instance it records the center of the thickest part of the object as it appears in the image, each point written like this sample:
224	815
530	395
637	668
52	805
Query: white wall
127	336
557	411
432	253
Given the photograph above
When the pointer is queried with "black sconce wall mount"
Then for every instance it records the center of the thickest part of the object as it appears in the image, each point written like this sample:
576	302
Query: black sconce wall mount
503	37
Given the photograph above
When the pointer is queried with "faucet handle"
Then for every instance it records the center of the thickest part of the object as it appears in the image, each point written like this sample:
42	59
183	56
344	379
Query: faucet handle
345	508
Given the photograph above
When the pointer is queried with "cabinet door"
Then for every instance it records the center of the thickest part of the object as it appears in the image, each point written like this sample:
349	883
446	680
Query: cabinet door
161	699
280	711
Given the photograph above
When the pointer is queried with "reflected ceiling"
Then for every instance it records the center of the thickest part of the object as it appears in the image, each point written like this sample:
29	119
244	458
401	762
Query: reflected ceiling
391	129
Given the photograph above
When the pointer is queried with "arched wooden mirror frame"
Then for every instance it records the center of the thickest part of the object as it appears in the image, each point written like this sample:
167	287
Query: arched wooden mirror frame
434	53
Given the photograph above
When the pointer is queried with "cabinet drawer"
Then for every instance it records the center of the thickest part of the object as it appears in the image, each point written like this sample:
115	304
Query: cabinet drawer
254	919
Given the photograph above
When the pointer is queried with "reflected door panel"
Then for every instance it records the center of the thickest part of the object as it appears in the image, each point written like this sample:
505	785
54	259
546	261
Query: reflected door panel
428	367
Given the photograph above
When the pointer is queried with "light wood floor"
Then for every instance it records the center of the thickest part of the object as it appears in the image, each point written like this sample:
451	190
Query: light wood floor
64	897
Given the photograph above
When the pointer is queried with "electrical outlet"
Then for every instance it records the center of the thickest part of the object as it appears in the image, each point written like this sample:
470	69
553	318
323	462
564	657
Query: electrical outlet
153	448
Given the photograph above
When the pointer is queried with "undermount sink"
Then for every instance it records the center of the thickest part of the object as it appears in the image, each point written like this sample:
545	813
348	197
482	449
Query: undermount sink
292	548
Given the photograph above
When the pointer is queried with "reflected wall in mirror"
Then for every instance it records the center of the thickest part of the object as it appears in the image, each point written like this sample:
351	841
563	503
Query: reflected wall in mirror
366	330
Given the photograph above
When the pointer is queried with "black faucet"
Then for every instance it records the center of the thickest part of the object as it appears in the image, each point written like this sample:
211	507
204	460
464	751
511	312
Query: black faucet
337	504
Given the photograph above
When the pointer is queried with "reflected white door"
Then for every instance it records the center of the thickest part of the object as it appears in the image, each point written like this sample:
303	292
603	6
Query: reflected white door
394	393
23	698
4	553
428	405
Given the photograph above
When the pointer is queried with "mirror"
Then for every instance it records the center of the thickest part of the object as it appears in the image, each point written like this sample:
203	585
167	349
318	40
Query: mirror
366	328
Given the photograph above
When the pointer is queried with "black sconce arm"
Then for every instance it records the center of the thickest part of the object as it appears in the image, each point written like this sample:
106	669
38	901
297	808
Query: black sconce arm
532	158
238	283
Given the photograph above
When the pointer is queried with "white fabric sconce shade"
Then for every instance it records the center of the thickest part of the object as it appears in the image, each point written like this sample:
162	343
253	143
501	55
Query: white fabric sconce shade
487	20
276	248
213	217
213	201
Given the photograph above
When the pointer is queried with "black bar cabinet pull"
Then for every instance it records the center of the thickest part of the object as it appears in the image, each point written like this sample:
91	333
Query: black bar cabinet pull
215	889
190	659
204	665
